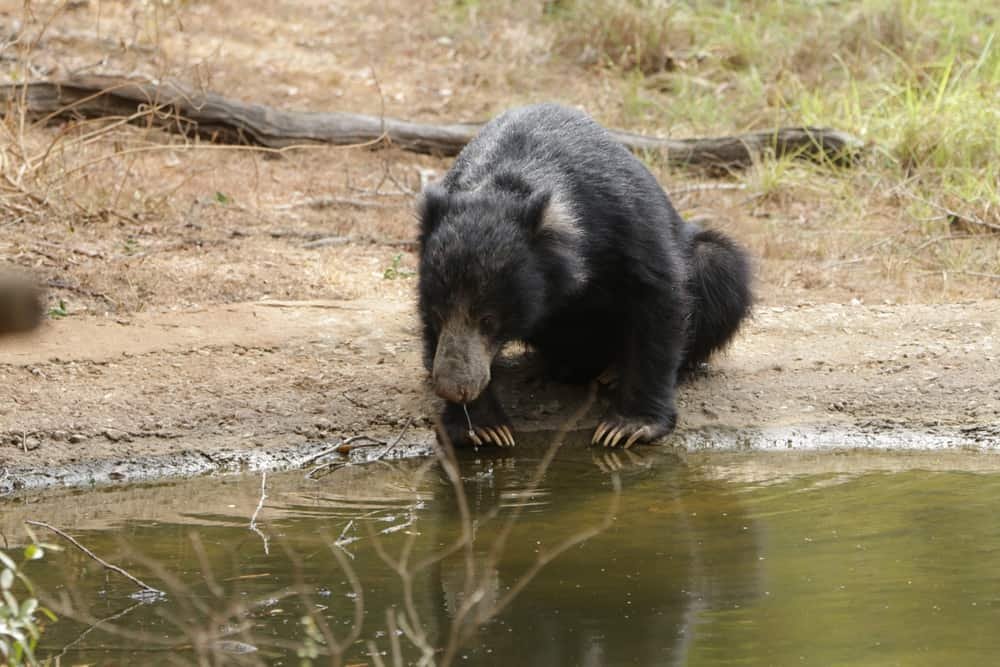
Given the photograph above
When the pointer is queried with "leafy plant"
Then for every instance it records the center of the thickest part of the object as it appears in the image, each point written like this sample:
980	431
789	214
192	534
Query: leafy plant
58	311
395	270
21	621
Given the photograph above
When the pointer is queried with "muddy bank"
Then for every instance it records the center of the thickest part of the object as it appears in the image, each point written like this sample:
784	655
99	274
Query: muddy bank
265	385
143	469
959	447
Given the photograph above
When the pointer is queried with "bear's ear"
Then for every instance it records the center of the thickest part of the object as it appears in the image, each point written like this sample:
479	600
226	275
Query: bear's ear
536	210
431	207
548	216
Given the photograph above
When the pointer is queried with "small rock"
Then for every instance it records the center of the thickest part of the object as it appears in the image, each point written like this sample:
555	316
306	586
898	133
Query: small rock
114	435
76	438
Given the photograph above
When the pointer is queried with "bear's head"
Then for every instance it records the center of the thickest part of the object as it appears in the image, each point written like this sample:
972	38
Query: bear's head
490	261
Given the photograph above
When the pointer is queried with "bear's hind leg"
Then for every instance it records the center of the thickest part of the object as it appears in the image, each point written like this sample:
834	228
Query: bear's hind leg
650	358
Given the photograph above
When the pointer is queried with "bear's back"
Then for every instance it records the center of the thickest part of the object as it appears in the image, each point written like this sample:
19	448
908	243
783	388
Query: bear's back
547	145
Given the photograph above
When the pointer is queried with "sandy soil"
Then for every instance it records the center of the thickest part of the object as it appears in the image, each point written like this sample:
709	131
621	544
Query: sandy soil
217	308
276	376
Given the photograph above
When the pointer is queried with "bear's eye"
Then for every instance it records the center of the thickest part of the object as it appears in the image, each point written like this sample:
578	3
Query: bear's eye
488	324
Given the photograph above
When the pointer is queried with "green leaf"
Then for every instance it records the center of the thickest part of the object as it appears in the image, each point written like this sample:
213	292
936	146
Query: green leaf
28	608
222	198
10	602
27	582
60	311
6	580
6	561
34	552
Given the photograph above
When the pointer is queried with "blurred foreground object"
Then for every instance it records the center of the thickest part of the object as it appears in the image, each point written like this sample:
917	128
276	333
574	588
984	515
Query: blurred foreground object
21	305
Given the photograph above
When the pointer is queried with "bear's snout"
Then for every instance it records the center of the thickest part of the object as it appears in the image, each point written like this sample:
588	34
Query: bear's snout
461	364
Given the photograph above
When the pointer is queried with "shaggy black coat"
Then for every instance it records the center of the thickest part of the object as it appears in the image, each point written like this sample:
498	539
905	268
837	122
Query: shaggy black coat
549	231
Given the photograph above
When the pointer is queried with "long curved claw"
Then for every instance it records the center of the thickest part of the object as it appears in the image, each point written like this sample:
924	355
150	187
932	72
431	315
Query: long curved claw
612	438
501	436
602	428
641	433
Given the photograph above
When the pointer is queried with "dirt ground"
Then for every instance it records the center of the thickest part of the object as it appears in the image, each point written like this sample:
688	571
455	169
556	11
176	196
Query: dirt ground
214	308
278	376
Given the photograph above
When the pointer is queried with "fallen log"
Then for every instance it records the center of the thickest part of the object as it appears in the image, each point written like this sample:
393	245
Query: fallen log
189	111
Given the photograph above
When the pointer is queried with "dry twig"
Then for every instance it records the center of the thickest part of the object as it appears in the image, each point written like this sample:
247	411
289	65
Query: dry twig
329	201
390	446
260	506
146	588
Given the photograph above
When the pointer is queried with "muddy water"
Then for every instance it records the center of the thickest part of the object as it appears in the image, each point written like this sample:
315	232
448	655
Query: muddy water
704	561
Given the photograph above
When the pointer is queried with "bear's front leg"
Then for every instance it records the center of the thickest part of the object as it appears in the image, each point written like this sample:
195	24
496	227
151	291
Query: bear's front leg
648	365
485	423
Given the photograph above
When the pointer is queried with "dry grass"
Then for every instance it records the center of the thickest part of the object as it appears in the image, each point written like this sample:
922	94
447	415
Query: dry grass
918	80
139	218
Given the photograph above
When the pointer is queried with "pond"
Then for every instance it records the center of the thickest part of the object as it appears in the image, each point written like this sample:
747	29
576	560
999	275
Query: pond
639	558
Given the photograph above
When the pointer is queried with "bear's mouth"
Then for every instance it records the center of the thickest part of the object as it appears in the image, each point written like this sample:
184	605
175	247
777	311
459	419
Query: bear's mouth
462	360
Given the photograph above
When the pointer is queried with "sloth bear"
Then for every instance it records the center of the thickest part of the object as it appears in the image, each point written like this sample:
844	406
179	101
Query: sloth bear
548	231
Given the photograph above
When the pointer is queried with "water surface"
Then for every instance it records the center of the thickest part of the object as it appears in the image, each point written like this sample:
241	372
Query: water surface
701	562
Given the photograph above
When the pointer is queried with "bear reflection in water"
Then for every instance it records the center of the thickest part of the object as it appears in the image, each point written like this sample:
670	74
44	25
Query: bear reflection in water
679	548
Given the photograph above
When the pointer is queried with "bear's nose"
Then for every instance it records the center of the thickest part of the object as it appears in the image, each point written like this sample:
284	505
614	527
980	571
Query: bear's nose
453	392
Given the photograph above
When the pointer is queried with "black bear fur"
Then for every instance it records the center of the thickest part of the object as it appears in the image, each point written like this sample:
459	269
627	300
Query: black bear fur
548	231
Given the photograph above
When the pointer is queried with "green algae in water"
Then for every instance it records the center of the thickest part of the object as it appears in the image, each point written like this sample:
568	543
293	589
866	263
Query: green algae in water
697	567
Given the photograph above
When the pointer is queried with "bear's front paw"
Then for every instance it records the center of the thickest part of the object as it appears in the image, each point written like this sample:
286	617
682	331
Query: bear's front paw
627	431
484	429
492	435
